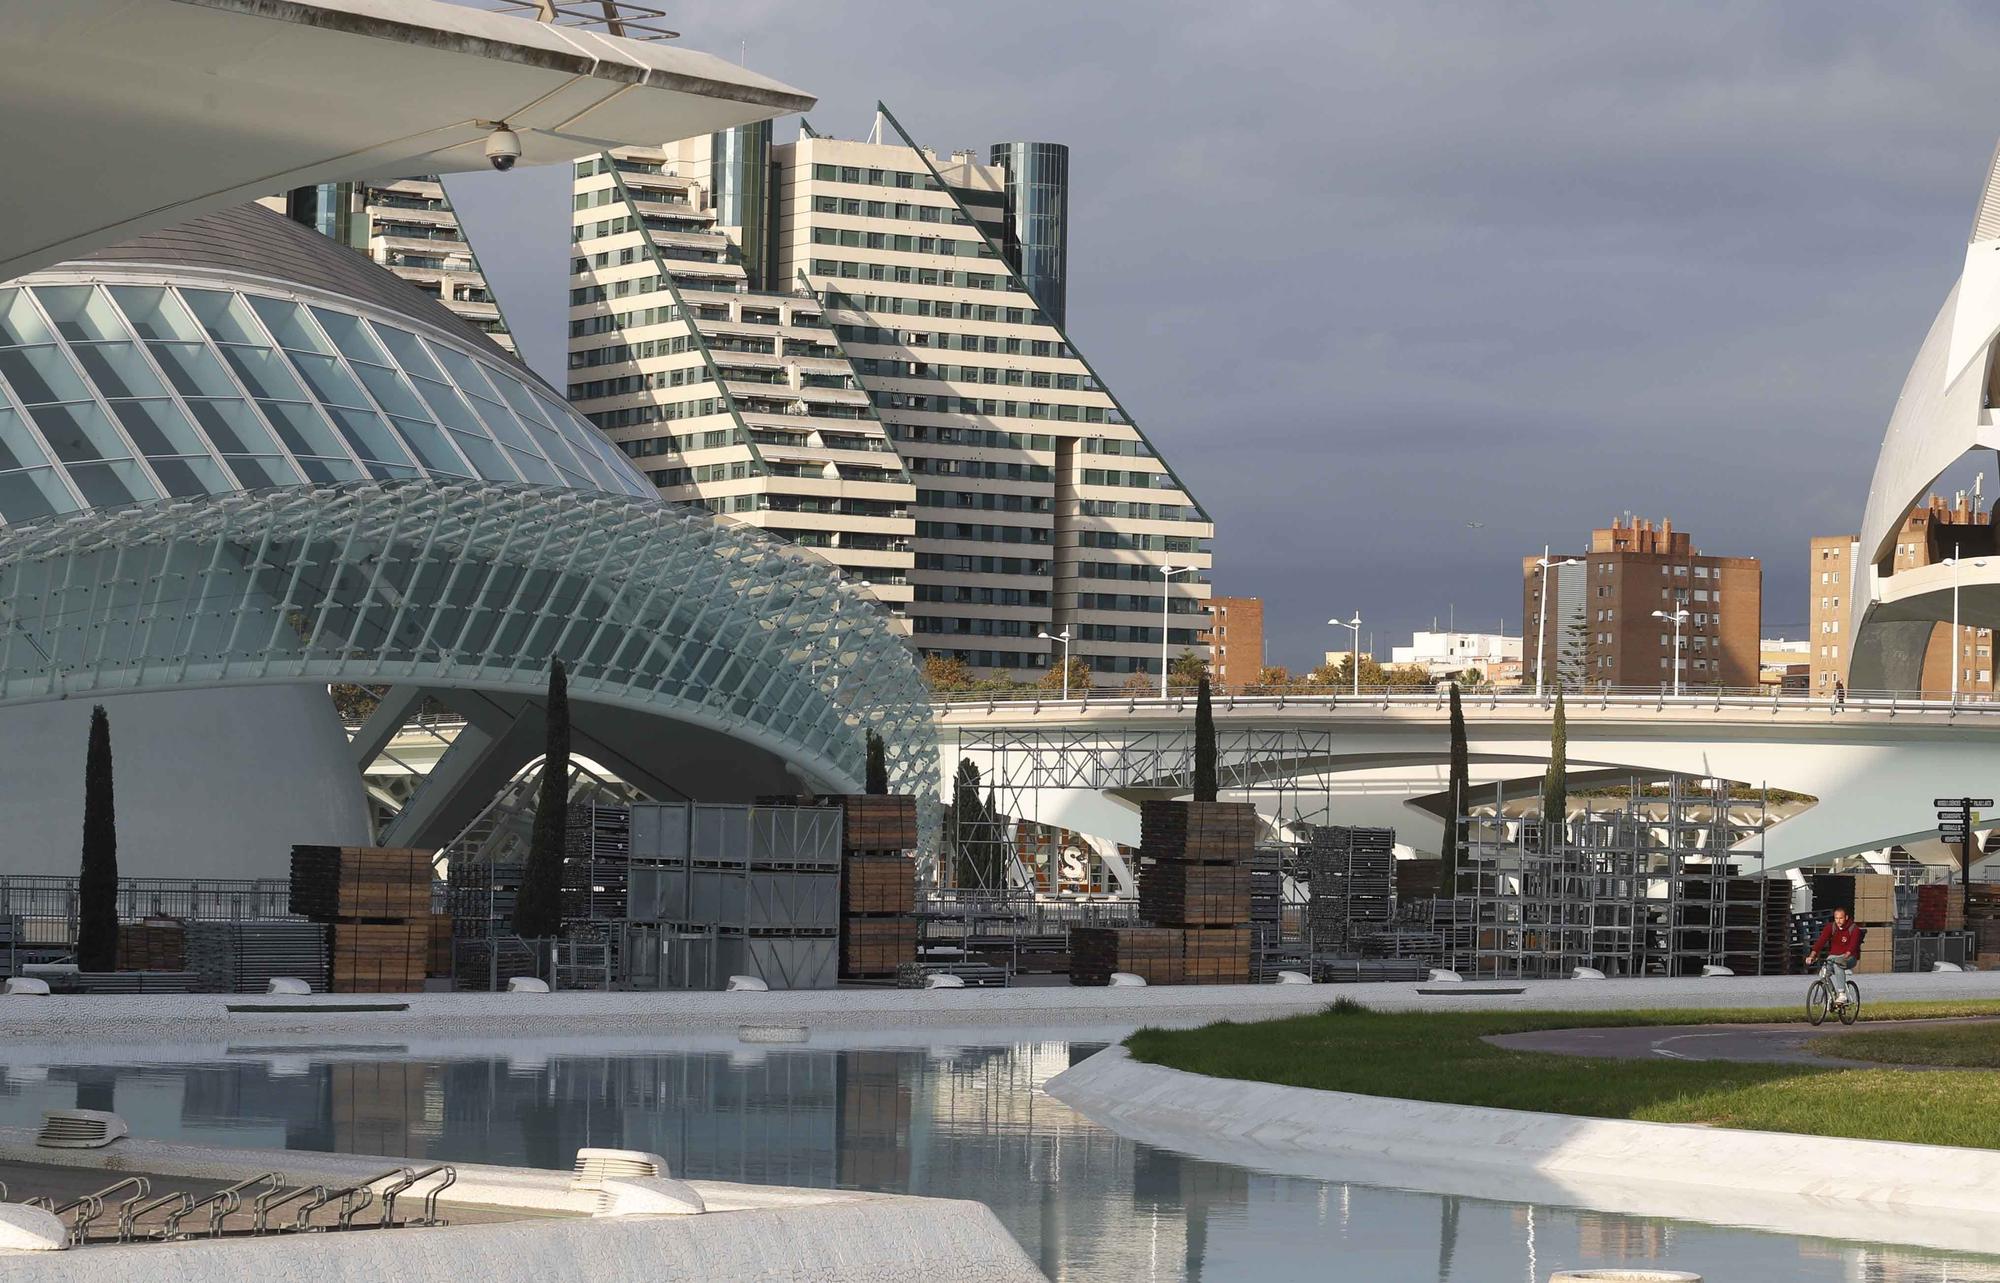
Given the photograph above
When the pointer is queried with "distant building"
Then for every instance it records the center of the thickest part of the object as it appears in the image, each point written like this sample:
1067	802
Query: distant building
1494	656
1784	664
1929	534
1601	628
1235	640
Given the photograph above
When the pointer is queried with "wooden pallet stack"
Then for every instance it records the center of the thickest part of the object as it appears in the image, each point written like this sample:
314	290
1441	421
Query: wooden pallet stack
1194	895
878	885
1982	918
157	944
376	902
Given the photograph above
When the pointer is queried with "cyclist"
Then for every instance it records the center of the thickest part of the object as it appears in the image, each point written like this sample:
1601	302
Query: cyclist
1839	943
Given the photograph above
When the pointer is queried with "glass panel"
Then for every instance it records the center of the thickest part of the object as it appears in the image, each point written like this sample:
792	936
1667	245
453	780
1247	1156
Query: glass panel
81	313
534	468
448	407
464	371
118	369
392	472
410	353
390	393
106	485
264	373
232	427
25	496
432	448
158	427
524	404
80	432
154	312
19	322
351	336
370	437
330	381
18	446
260	472
326	471
39	375
193	369
501	421
223	315
185	477
287	322
303	429
489	459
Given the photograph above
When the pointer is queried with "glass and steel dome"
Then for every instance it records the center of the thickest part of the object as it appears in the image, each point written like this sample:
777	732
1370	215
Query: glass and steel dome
236	453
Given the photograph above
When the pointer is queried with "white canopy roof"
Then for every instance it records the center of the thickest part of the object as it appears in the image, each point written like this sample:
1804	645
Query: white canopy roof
127	115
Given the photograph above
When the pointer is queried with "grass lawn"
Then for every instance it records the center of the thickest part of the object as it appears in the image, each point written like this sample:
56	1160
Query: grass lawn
1961	1047
1440	1056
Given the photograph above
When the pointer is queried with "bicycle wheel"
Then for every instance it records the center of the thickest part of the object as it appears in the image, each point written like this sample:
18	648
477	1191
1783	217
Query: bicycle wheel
1852	1011
1817	999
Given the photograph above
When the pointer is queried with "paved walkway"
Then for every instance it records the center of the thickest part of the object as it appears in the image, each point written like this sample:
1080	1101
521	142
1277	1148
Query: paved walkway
1756	1044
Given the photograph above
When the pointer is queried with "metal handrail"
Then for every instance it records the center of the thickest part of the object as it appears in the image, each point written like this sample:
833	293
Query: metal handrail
271	1200
128	1218
222	1204
390	1195
94	1204
1701	699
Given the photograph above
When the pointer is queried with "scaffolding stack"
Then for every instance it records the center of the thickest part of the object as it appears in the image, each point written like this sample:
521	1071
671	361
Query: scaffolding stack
1664	885
1353	872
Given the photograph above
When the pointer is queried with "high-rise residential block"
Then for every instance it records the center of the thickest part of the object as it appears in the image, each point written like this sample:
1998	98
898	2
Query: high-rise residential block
1834	563
857	345
724	383
1602	626
408	226
1235	640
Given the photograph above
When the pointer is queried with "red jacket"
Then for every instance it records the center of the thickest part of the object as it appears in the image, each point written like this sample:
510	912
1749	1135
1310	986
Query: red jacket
1836	940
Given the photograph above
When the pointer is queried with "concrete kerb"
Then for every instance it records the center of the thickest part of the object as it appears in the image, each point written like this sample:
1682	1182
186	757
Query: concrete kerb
100	1019
1931	1196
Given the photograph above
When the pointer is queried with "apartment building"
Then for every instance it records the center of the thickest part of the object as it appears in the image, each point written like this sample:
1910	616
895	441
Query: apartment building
409	227
1235	640
857	345
1600	626
724	381
1494	656
1940	529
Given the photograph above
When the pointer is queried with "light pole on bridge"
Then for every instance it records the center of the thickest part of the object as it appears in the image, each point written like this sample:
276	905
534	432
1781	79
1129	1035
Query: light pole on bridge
1167	574
1353	656
1062	637
1542	629
1678	617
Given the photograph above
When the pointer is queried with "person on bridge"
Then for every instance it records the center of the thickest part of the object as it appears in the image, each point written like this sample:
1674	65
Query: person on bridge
1840	944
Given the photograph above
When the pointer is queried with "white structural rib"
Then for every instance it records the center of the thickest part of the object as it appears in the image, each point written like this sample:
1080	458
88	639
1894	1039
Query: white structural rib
126	115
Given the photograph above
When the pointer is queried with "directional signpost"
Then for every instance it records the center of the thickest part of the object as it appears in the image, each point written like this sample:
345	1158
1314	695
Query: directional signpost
1956	816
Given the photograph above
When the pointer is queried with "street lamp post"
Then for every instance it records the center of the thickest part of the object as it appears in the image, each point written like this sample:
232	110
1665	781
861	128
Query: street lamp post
1542	628
1062	637
1167	574
1353	656
1957	647
1679	617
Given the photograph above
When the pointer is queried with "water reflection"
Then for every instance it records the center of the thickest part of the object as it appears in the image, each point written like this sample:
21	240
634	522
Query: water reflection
962	1122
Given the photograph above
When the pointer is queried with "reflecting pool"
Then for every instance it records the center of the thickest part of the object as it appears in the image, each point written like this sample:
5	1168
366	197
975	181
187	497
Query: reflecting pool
956	1121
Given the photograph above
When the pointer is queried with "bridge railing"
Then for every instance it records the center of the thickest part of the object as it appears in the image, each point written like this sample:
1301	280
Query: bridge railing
1662	698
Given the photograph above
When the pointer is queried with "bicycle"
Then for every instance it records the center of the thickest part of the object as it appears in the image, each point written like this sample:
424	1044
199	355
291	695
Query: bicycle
1819	998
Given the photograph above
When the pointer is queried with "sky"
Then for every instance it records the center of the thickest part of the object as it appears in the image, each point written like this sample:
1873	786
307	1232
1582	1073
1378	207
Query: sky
1368	273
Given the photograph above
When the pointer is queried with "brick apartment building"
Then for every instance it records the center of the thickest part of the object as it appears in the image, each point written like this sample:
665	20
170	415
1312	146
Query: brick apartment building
1235	639
1929	535
1601	628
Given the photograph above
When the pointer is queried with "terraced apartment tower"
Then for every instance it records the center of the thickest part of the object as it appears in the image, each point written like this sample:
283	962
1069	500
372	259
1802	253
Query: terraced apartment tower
408	226
835	339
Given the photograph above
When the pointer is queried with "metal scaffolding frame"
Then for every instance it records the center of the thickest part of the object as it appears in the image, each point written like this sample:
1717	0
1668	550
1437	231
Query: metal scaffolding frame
1660	884
1022	763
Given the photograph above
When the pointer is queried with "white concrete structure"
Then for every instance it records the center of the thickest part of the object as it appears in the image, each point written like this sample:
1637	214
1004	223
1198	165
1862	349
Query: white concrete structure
185	106
1874	766
1945	411
1457	652
1933	1195
773	1233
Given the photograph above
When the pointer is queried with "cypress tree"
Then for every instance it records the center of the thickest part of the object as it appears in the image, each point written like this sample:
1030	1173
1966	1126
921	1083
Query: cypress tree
1204	744
1460	786
878	766
538	906
1555	782
97	883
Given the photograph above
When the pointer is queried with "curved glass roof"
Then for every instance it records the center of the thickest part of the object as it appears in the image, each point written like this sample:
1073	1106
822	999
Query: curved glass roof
117	390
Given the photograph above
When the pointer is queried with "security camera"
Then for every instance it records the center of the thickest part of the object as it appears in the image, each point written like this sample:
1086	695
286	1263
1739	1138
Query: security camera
503	148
